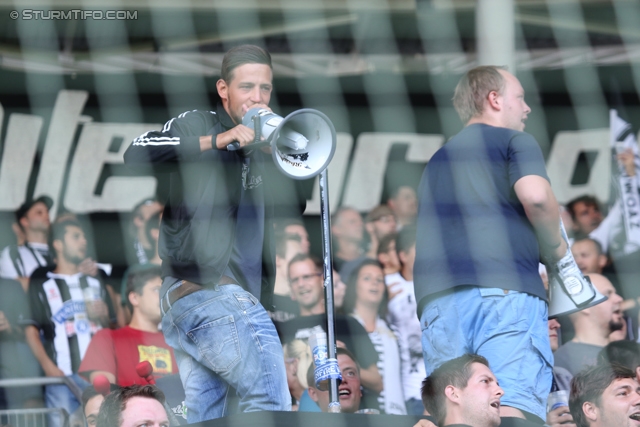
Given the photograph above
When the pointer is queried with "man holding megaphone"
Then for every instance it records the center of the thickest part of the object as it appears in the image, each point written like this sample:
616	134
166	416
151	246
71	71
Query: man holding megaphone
486	213
215	245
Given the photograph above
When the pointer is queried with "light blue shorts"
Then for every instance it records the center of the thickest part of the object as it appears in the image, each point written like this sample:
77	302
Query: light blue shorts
508	328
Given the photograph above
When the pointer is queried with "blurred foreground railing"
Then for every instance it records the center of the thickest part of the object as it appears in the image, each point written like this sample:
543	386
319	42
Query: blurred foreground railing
36	417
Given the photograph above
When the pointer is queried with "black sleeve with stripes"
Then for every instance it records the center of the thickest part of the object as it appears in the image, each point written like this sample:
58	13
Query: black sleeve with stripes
179	140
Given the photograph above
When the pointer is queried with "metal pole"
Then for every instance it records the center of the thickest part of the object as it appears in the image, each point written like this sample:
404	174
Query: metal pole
495	33
334	401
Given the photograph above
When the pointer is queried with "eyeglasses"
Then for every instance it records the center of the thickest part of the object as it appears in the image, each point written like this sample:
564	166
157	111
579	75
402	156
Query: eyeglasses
304	278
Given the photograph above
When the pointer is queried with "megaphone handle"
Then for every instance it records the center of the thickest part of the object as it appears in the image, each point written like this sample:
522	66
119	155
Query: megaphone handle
234	146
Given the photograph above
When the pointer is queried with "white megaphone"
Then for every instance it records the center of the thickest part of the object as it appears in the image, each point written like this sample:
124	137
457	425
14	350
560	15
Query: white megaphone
561	303
302	144
569	290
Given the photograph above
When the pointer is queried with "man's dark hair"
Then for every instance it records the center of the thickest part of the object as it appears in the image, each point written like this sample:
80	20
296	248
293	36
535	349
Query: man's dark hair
90	392
281	242
350	295
111	410
455	372
311	379
406	238
595	242
282	223
625	353
335	217
587	200
385	242
136	277
303	257
589	385
241	55
59	229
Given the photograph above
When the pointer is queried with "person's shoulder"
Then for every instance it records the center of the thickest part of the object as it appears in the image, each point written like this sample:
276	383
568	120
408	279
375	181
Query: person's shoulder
104	334
204	118
568	346
41	272
570	349
351	324
40	275
289	327
5	251
208	114
507	134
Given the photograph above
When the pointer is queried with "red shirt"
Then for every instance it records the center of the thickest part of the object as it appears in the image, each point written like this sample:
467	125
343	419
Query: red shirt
119	351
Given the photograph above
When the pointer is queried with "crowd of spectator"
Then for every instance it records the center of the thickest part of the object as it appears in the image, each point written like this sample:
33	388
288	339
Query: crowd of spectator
62	315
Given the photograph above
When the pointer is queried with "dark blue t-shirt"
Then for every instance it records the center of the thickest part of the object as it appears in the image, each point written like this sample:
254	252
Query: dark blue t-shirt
472	229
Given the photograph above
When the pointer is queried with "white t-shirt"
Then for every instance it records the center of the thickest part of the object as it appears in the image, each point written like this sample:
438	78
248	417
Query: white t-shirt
72	327
21	261
403	319
391	398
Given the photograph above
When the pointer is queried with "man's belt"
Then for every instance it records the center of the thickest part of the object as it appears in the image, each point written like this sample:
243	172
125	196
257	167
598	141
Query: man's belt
187	288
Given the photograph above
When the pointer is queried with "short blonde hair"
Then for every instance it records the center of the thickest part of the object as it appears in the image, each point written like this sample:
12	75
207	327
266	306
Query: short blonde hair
474	87
300	350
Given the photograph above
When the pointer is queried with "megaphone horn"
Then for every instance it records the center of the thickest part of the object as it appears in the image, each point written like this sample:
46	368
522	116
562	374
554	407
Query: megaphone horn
560	301
569	290
302	144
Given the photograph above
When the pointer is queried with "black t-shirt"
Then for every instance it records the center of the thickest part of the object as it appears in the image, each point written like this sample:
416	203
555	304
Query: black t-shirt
472	229
284	308
348	330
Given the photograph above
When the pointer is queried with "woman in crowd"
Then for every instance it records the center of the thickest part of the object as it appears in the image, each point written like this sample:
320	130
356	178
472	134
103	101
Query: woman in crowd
297	357
366	300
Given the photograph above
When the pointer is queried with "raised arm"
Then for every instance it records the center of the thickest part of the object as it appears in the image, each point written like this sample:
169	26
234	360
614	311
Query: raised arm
182	138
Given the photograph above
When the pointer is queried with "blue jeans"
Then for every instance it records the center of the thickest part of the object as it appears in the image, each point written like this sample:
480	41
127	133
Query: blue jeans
508	329
59	396
222	338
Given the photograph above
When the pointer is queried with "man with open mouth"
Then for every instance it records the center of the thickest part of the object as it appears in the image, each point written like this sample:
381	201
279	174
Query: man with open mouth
605	396
349	391
463	392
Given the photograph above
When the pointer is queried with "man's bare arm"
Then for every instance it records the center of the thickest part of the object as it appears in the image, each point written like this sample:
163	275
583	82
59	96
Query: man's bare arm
541	207
32	336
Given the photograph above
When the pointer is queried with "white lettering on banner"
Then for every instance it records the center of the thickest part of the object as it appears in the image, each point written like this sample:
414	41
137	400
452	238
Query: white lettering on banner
563	157
335	175
629	186
366	179
362	187
120	193
21	143
64	121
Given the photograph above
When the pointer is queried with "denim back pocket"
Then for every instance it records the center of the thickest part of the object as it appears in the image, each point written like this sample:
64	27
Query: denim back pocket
217	343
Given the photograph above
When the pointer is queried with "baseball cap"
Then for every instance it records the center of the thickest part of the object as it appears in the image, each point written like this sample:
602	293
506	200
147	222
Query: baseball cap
22	210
